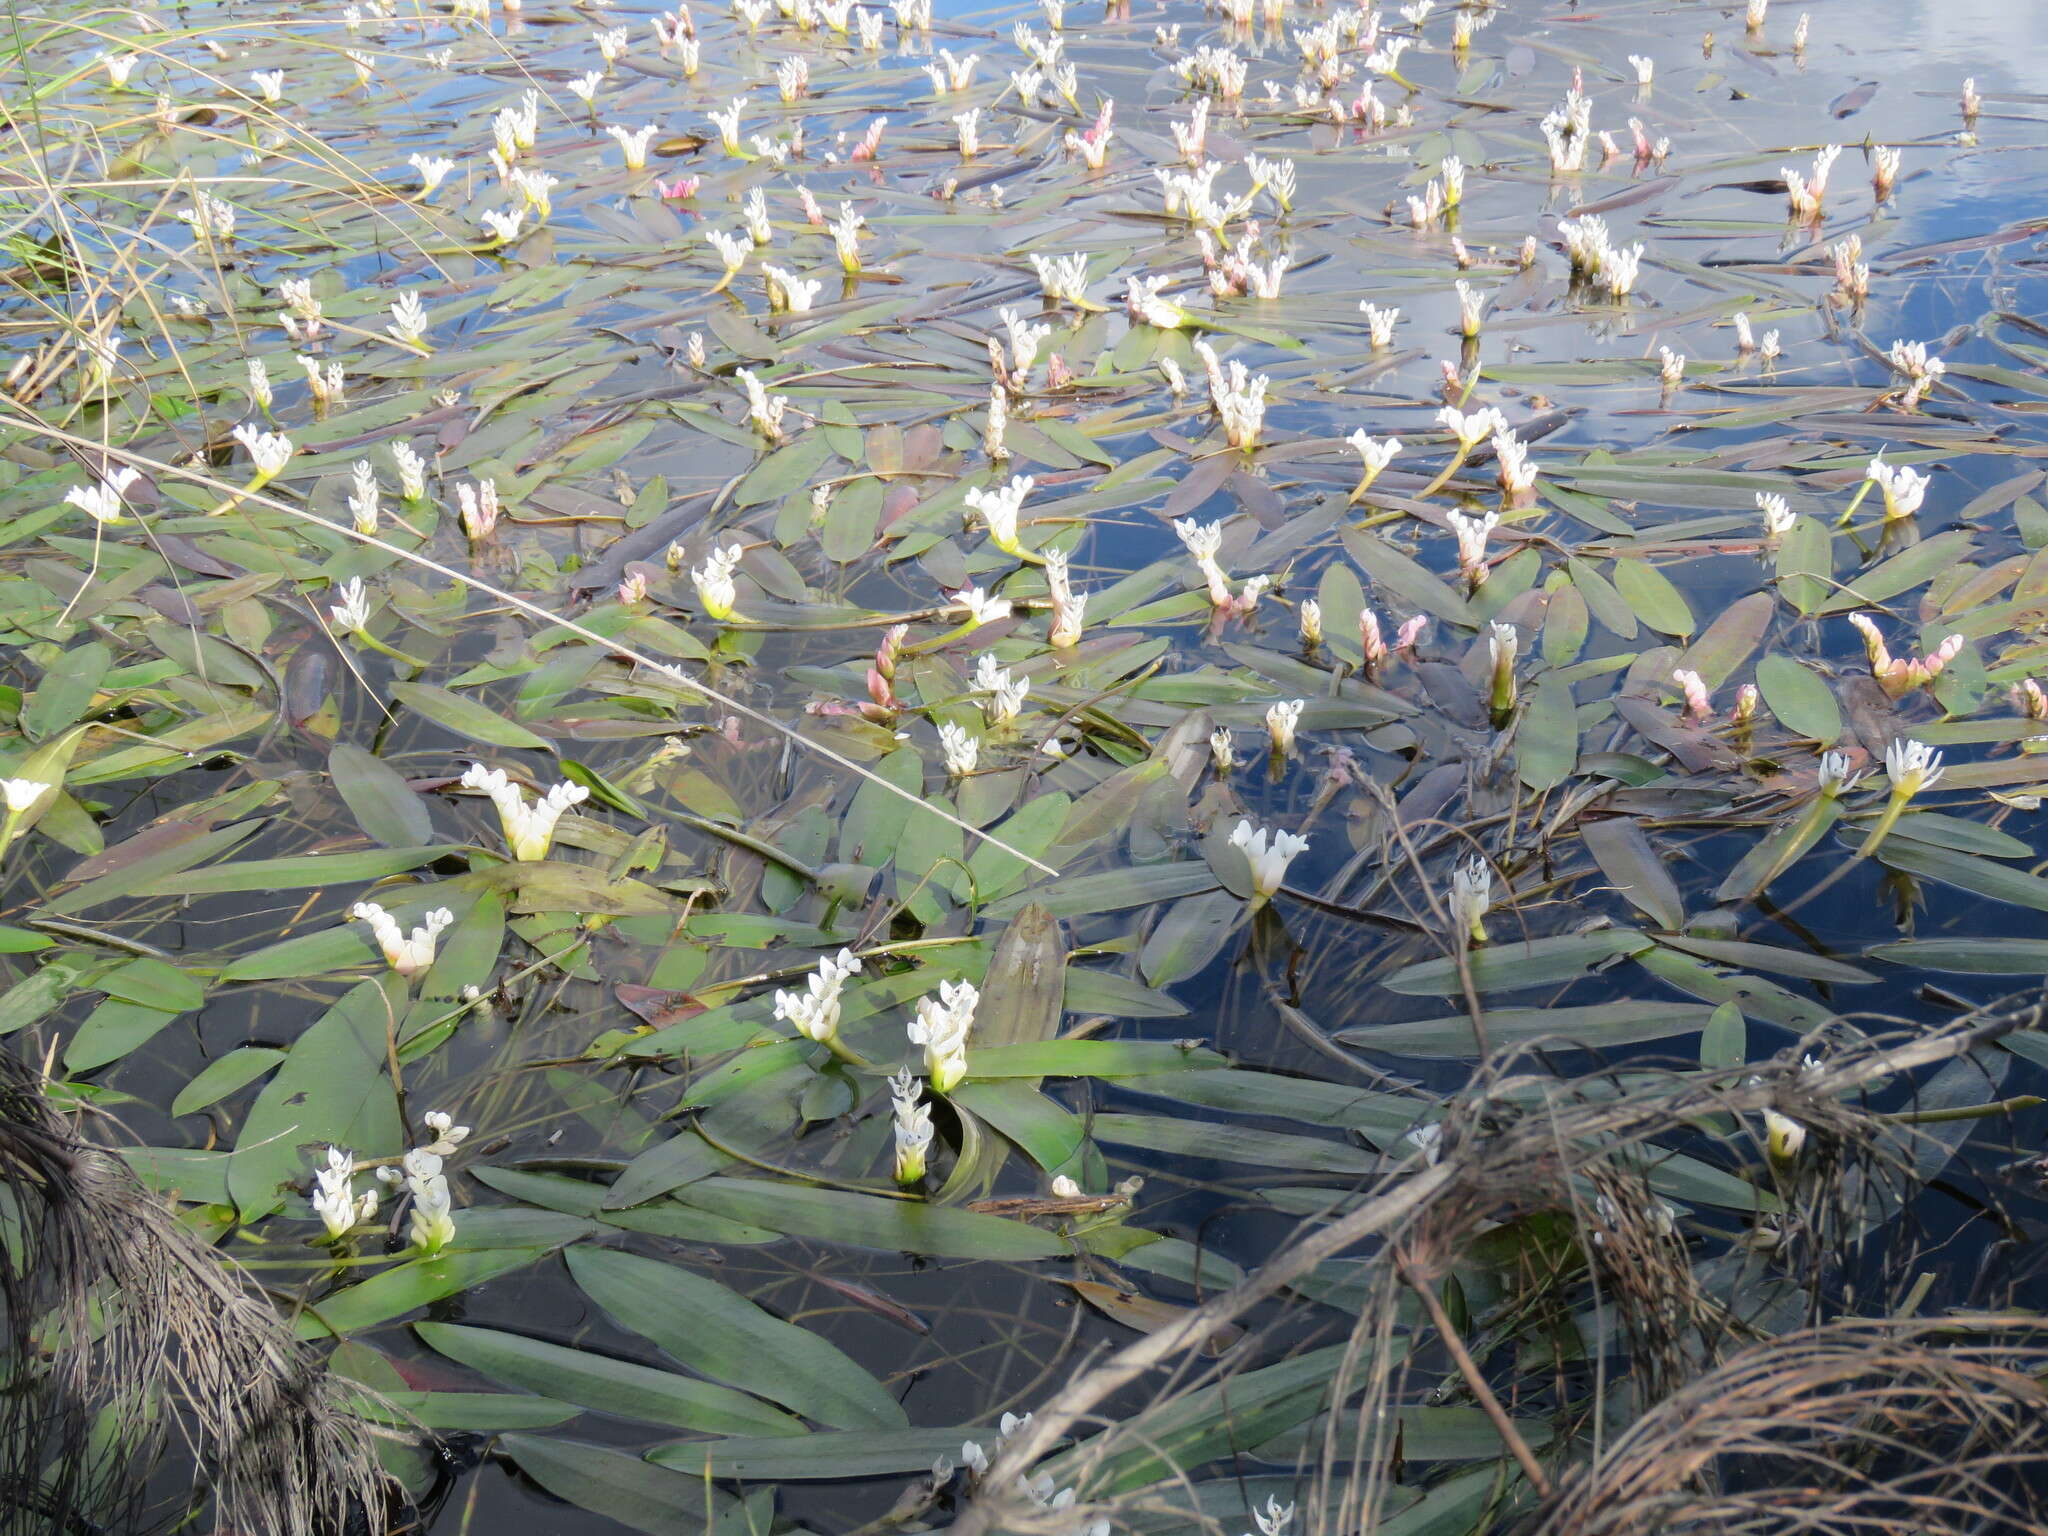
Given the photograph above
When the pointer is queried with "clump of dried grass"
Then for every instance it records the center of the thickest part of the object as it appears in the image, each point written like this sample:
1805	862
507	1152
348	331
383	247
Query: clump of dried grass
1827	1401
1935	1426
121	1332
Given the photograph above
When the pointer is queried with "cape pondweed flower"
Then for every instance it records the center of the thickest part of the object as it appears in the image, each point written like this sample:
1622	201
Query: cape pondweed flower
447	1134
340	1209
433	171
1783	1137
960	751
1374	456
1471	895
1283	719
941	1027
1514	468
432	1226
1837	777
1143	302
1778	518
1069	608
1472	533
1268	852
1502	643
764	411
1904	488
913	1121
1671	366
633	143
716	590
1309	620
1910	767
1471	308
352	612
1470	428
270	452
980	607
1379	322
406	953
529	829
479	509
1805	193
103	499
815	1011
1005	694
1203	541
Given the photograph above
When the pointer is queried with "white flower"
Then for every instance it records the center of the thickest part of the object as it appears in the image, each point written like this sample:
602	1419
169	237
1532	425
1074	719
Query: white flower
210	217
119	66
1203	540
1069	608
713	580
1063	278
1005	693
270	451
1621	268
22	794
334	1198
352	613
1516	470
1783	1136
612	43
733	250
1241	404
1471	306
845	233
980	607
1699	703
1470	428
960	750
479	504
1222	750
1911	766
941	1027
1885	170
913	1123
815	1010
1282	720
1646	69
1904	488
259	384
1144	303
447	1134
633	143
728	123
1274	1518
1836	776
999	508
503	225
1471	534
1805	195
407	954
432	1227
764	412
1380	322
1310	618
1471	895
412	471
584	87
529	829
1672	368
433	171
102	500
1268	852
1778	518
1375	456
787	291
328	385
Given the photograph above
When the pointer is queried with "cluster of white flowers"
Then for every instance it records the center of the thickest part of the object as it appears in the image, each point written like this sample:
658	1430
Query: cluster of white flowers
406	953
941	1027
1806	192
1268	852
1004	693
815	1010
1904	487
529	828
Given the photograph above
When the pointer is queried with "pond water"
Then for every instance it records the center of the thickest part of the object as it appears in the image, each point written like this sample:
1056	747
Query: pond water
1599	782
